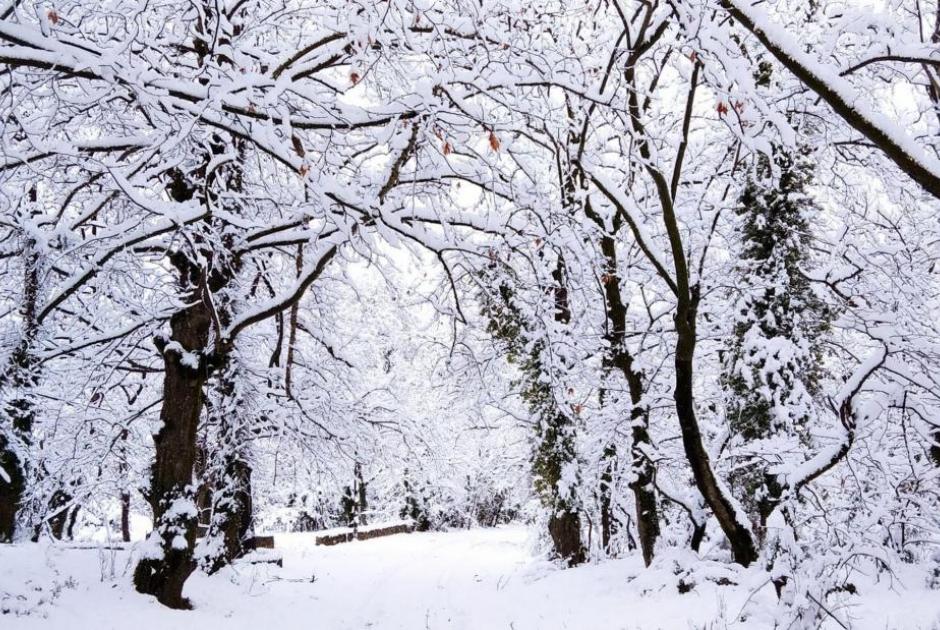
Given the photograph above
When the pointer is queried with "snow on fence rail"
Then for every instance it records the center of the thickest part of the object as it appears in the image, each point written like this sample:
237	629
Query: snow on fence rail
345	534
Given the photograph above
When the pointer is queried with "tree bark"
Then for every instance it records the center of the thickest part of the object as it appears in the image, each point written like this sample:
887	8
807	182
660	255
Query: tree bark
125	516
59	521
232	516
742	542
228	473
647	508
564	525
565	530
362	503
12	487
19	413
608	521
171	491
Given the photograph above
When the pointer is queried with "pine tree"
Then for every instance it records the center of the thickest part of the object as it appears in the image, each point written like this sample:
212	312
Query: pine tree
773	363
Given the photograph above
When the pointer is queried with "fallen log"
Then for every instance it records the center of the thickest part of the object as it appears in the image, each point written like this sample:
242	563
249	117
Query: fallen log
347	534
401	528
335	539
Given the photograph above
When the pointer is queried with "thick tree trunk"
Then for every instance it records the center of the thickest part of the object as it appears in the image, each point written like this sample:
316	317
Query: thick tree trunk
226	471
229	478
565	531
564	525
238	526
647	507
188	361
171	492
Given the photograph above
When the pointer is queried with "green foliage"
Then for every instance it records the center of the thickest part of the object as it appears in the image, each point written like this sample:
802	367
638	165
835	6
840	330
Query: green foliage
773	360
555	432
416	506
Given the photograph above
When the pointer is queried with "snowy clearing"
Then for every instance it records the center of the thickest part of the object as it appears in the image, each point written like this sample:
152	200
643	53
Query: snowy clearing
478	579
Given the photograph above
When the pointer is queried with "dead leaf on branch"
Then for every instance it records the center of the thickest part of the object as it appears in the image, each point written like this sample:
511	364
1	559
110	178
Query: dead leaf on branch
494	142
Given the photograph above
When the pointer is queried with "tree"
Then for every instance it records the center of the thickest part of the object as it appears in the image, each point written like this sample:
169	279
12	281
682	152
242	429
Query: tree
842	96
773	365
555	457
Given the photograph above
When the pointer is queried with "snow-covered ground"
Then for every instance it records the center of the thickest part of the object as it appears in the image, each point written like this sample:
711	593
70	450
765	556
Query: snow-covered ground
484	579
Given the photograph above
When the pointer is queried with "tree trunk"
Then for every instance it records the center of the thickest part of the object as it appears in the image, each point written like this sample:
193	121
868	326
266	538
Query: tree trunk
739	535
19	413
228	475
188	361
70	526
564	525
565	531
58	522
171	492
608	522
232	516
125	516
362	503
647	508
12	486
687	298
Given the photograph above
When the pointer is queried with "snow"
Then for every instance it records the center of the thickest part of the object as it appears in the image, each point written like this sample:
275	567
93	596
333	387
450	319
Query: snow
472	579
841	88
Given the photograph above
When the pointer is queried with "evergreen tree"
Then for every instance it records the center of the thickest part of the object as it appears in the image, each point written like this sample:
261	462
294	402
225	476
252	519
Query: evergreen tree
554	462
772	366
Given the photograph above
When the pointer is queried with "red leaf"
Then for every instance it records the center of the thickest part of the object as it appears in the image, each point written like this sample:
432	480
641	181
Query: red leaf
53	16
722	108
494	141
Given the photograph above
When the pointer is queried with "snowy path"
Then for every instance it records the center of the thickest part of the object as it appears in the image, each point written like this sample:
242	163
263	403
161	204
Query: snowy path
476	580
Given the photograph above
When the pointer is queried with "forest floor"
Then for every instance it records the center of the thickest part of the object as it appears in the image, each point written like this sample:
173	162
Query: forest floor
483	579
